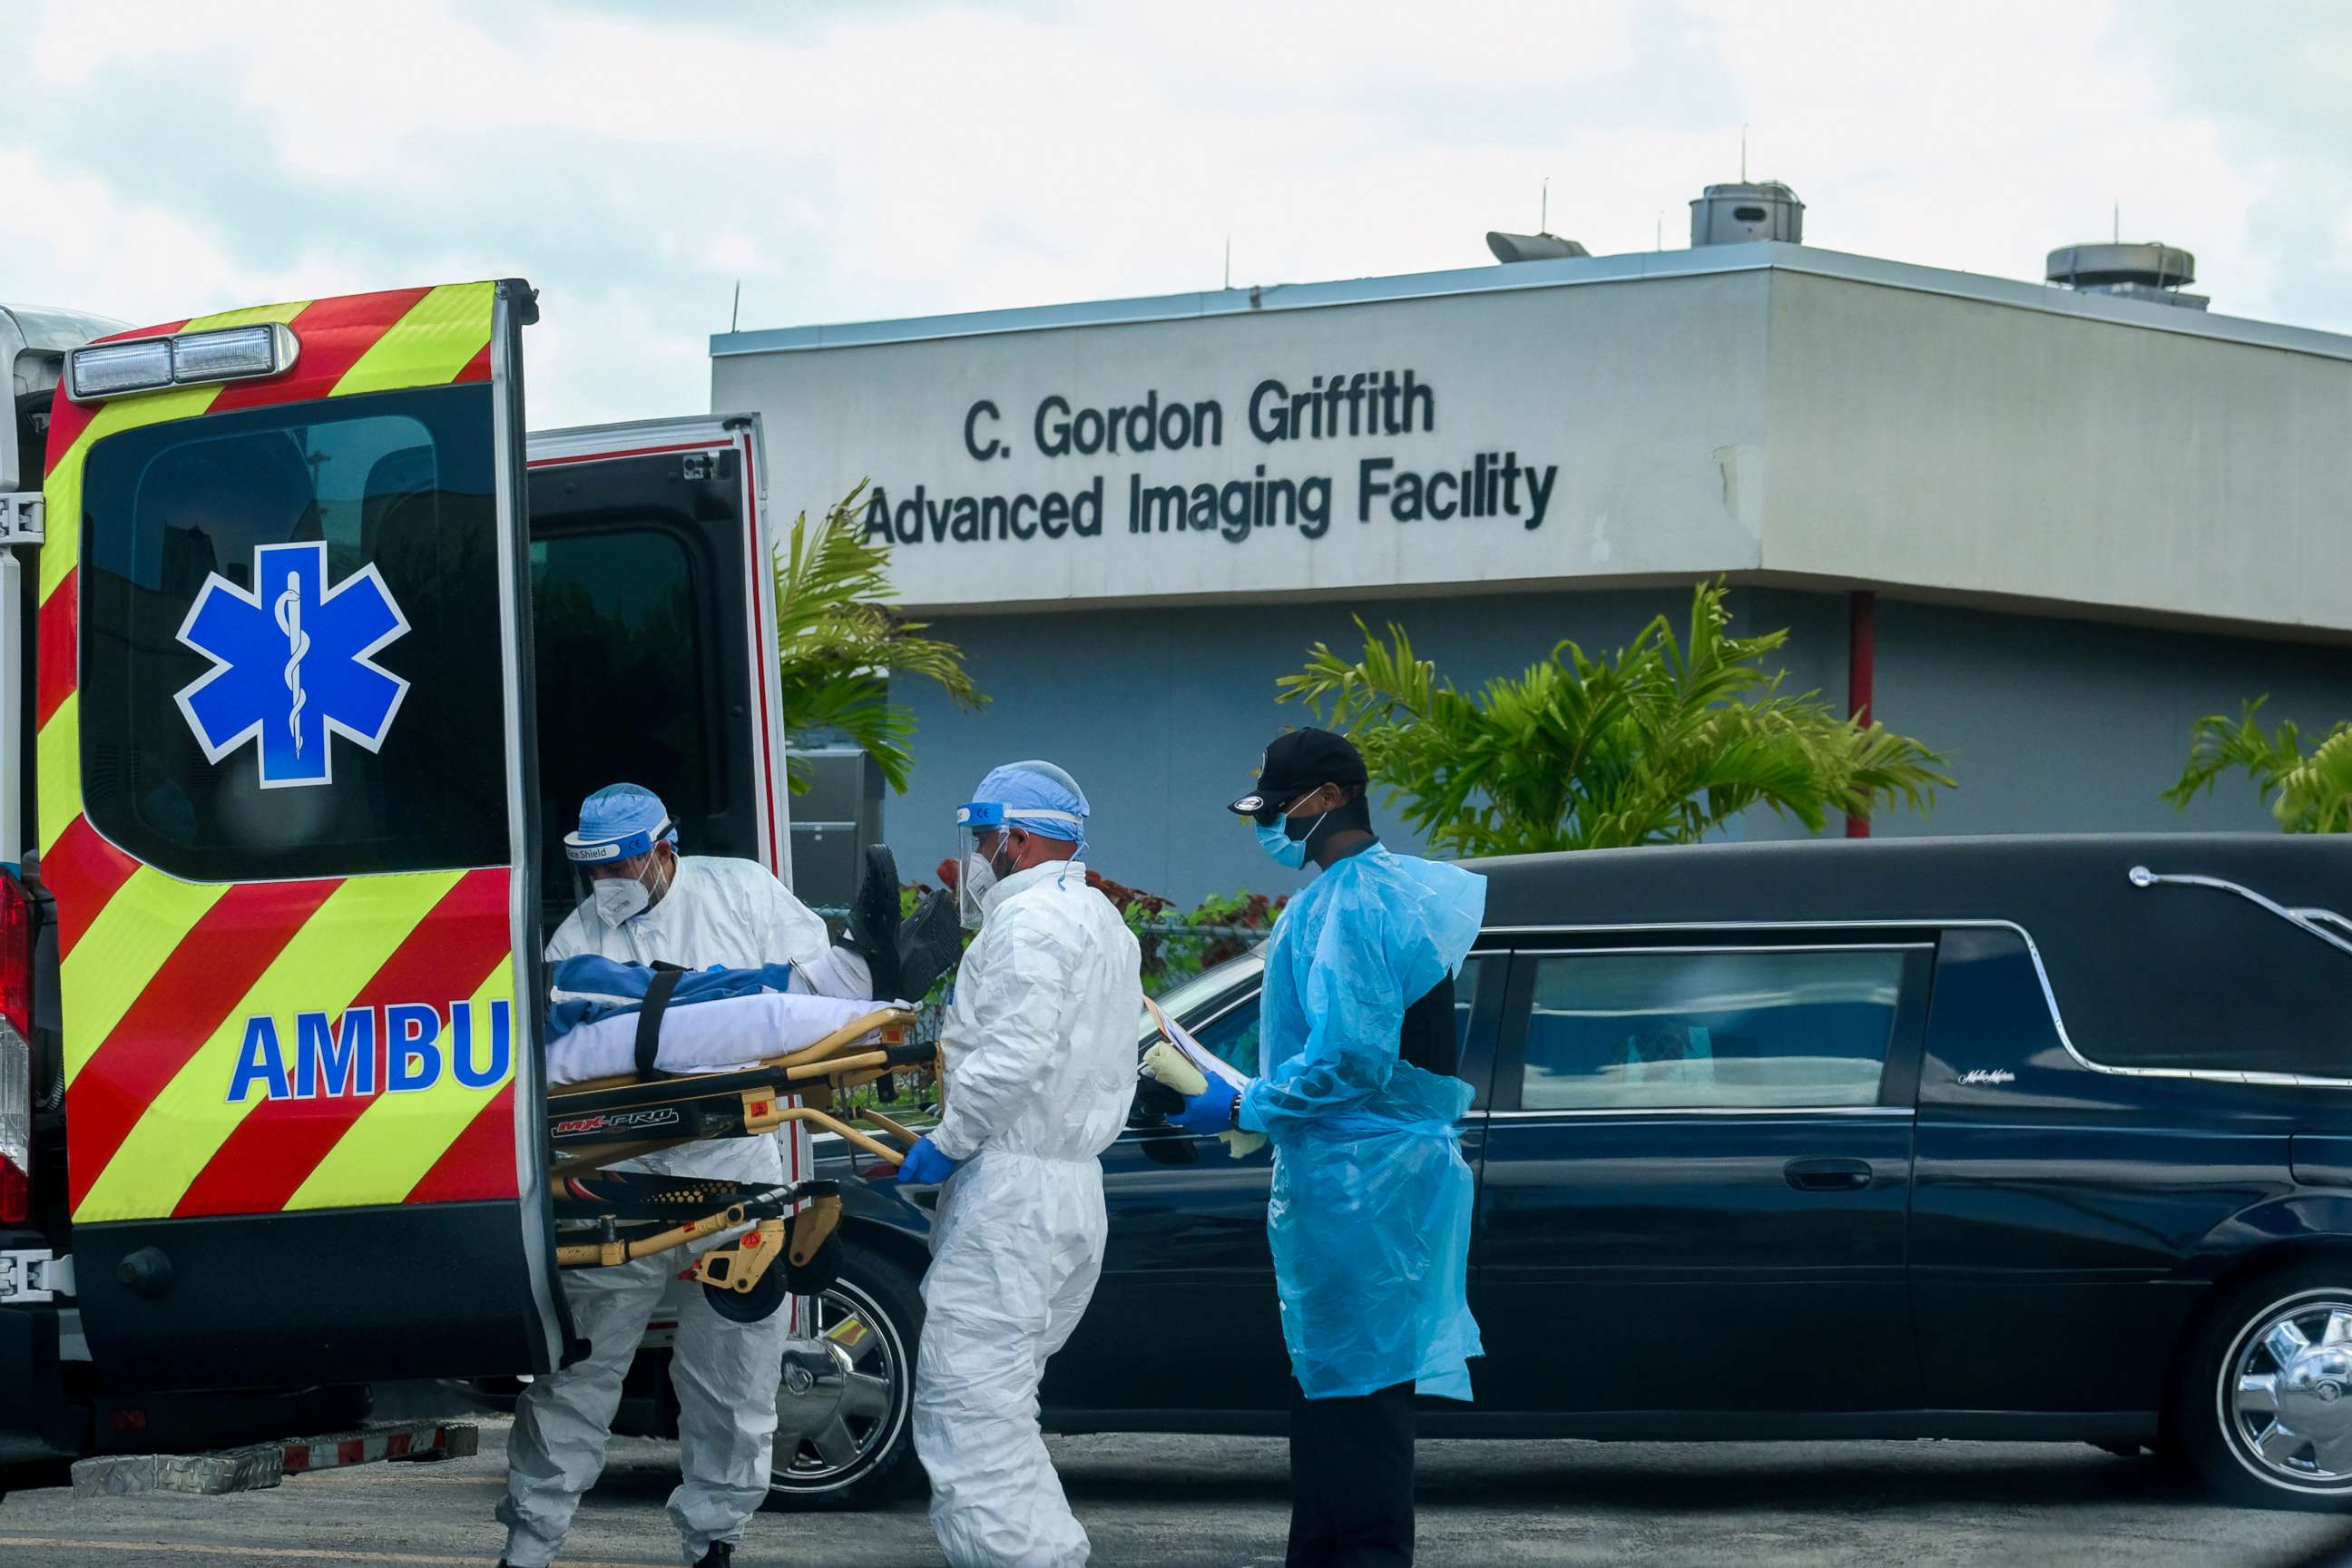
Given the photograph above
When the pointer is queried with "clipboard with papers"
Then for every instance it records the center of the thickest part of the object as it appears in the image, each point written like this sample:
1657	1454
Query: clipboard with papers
1212	1067
1209	1065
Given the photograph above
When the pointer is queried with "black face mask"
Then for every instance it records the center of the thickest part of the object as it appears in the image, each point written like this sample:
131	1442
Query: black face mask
1317	830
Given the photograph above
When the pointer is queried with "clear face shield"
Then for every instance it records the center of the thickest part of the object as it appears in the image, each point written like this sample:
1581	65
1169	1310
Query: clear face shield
615	880
983	853
993	837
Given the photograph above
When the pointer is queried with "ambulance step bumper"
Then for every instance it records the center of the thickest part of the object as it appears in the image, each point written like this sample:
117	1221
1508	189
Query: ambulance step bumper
262	1464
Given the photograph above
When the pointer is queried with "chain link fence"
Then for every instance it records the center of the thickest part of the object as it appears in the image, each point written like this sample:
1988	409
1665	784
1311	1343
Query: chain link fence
1173	952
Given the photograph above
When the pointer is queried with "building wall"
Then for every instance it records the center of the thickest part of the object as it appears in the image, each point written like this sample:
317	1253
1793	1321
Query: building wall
1776	415
1760	408
1982	445
2071	726
1162	714
1638	405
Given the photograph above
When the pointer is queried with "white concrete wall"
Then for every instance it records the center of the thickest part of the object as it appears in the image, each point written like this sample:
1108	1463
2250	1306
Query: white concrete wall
1646	399
1959	445
1775	408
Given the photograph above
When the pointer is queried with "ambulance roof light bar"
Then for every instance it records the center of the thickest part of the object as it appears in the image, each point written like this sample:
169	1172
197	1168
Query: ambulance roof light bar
148	364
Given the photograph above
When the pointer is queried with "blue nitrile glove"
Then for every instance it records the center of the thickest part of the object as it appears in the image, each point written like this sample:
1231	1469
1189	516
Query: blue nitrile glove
924	1166
1210	1111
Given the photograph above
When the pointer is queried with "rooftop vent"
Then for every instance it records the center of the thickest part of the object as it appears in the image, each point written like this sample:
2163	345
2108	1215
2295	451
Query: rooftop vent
1532	247
2153	272
1736	214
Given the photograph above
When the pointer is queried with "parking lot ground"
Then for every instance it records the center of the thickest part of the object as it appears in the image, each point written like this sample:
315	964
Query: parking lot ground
1196	1500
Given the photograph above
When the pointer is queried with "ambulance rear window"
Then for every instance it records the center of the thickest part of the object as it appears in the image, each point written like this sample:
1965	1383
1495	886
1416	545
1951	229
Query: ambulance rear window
290	639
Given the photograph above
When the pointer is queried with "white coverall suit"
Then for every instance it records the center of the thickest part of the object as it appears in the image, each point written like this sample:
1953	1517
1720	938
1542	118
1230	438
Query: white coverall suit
722	912
1041	1053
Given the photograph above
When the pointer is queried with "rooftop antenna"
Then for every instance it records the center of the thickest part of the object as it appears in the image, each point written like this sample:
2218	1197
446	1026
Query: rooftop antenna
1743	153
736	315
1662	229
2119	223
1229	261
1543	210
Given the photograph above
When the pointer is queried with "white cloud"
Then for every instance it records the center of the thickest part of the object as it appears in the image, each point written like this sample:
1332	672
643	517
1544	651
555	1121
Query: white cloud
125	260
871	161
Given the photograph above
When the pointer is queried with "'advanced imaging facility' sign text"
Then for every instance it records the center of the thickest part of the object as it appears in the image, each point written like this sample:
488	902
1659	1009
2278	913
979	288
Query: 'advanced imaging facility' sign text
1291	485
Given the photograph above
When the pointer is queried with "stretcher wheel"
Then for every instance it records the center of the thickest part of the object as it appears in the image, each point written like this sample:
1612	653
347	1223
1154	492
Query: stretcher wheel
818	1275
755	1305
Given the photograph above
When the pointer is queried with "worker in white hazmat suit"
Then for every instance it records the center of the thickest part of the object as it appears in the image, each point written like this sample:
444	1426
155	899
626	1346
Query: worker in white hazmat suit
1040	1048
644	903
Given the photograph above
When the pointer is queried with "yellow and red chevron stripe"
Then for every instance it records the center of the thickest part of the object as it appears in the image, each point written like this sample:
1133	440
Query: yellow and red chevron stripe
160	974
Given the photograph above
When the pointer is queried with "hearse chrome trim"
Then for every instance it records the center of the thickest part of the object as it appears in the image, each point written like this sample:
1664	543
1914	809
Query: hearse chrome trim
2032	949
1897	1112
2306	921
1744	947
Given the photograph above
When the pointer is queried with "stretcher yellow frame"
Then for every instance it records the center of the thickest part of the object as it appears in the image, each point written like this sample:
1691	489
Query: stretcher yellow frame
751	1100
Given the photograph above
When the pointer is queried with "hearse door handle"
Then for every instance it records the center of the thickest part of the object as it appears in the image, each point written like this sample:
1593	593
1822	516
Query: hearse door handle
1828	1175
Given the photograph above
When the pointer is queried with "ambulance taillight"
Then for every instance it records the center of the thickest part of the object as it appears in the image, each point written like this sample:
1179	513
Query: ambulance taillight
16	1055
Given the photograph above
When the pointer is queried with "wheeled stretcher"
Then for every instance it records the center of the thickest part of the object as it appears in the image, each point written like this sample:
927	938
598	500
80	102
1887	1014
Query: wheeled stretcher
786	1246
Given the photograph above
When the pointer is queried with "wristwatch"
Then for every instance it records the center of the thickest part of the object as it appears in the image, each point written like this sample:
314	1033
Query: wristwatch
1234	1115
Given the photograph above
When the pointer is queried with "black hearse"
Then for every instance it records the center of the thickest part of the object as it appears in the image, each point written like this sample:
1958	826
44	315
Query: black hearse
1996	1138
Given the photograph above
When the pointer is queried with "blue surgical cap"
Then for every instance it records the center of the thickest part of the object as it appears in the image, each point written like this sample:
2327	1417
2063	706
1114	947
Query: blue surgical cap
625	819
1024	789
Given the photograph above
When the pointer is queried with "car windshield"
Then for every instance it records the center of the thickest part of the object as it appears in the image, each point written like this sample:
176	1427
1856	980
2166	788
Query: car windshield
1205	988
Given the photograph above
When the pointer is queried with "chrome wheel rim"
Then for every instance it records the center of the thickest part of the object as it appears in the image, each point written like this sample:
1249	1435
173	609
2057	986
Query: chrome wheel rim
2286	1394
842	1396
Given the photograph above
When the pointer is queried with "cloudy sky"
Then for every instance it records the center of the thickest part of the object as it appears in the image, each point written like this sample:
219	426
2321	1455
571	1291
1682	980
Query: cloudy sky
847	160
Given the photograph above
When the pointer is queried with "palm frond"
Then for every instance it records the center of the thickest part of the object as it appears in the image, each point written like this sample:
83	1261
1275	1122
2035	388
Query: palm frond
1661	742
2316	795
838	642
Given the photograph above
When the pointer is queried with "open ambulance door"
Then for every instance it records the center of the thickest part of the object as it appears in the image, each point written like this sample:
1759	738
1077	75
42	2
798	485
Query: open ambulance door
654	606
288	814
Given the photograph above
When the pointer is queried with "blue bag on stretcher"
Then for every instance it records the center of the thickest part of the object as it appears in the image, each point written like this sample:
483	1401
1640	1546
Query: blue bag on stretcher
718	1019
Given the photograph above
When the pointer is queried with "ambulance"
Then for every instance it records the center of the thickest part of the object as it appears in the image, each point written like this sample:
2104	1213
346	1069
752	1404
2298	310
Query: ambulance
305	653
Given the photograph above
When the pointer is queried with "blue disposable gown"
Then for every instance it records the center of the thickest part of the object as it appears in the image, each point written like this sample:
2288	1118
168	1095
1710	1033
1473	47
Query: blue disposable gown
1369	1219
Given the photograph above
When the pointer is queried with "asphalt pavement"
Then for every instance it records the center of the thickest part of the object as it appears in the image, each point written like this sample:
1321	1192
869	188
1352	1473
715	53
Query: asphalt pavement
1199	1501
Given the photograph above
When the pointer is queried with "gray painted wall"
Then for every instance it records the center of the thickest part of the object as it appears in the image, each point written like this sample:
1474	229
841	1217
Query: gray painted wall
1161	714
2070	726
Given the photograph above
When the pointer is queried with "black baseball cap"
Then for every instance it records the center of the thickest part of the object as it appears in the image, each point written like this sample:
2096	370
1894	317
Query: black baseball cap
1298	762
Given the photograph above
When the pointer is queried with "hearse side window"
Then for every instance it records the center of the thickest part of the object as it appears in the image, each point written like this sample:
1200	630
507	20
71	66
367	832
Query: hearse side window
1710	1029
1234	1036
2201	979
392	495
1466	1000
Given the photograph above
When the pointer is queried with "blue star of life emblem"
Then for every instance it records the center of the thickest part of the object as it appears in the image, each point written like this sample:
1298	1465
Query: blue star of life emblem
293	662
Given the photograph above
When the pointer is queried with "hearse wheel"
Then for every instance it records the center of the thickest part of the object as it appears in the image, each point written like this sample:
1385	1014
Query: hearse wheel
2263	1410
845	1405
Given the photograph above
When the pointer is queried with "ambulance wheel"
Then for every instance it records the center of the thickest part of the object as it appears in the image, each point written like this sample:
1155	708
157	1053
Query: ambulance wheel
821	1271
755	1305
845	1405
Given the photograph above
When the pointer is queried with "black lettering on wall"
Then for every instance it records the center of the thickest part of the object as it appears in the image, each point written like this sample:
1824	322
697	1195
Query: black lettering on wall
971	442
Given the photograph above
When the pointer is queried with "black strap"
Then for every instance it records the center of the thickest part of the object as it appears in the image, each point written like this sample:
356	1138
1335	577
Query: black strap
649	1017
1429	1039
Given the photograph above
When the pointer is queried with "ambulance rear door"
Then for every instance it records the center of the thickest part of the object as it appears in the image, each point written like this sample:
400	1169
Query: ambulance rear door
654	607
288	810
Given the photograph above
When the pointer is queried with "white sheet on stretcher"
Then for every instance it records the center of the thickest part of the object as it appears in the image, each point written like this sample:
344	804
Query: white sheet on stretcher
717	1035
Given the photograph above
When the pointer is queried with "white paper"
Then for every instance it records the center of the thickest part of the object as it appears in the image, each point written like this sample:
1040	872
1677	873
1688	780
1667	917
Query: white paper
1212	1067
